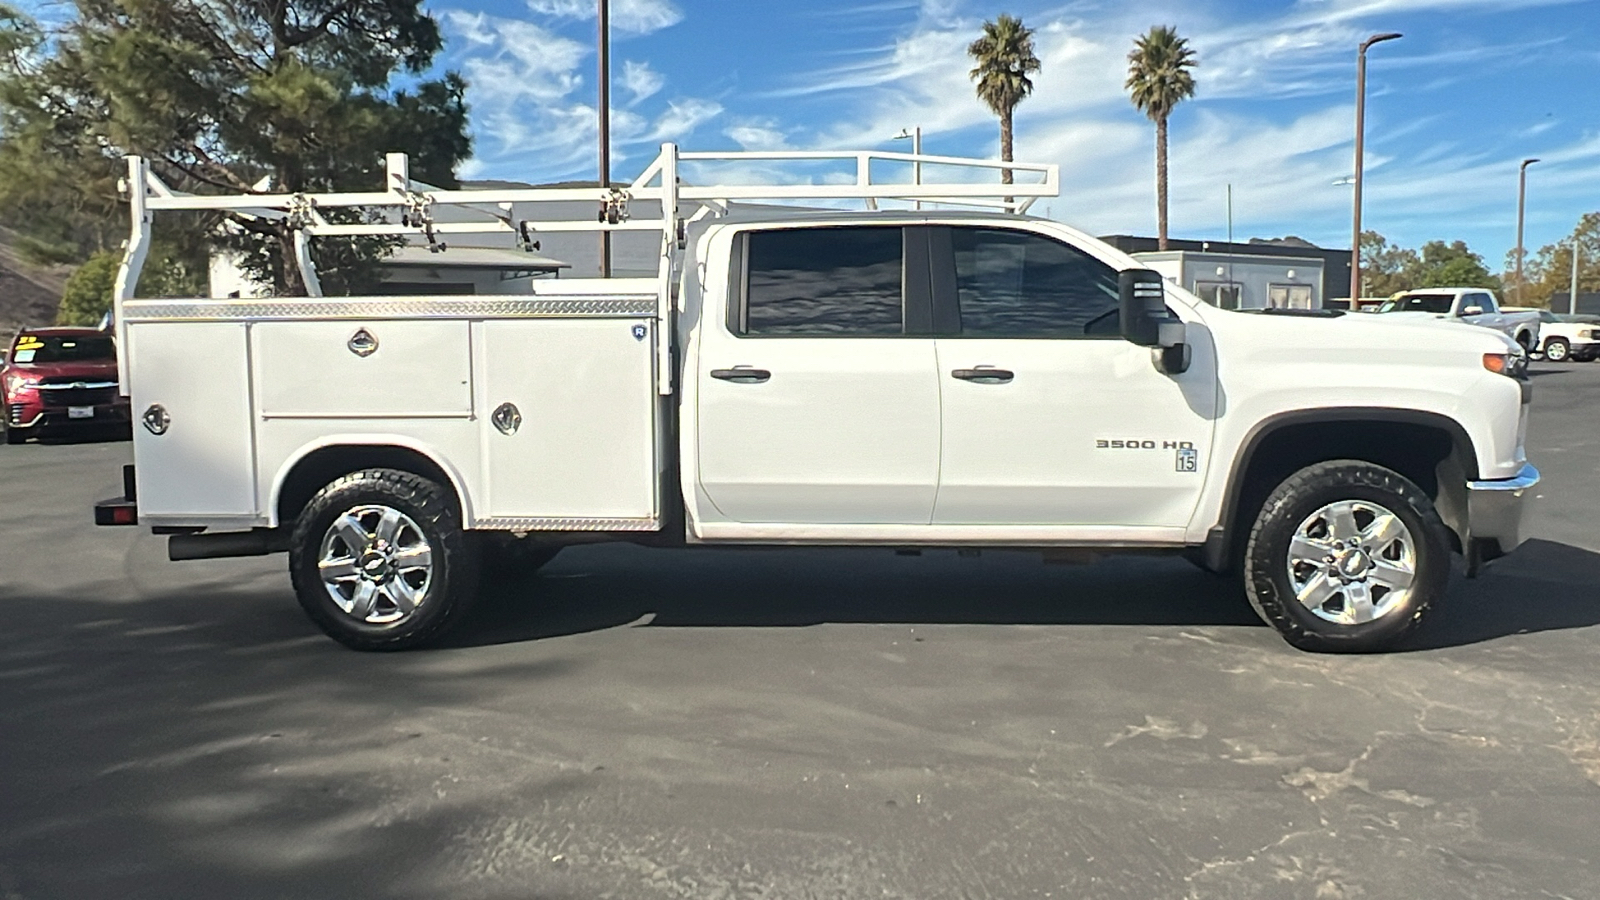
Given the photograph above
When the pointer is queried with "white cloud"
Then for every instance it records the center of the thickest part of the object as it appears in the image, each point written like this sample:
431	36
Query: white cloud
640	80
633	16
758	134
533	110
682	118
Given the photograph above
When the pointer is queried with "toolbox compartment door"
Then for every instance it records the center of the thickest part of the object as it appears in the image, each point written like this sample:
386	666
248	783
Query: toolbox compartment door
194	384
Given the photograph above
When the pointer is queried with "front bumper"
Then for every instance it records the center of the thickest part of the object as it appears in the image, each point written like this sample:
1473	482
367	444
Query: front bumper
53	418
1495	513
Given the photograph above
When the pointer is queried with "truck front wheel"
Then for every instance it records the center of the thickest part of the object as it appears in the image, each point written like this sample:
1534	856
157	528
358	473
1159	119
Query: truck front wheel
1346	557
379	560
1557	349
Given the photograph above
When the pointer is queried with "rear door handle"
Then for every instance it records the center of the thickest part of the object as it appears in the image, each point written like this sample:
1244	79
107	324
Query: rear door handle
742	375
984	375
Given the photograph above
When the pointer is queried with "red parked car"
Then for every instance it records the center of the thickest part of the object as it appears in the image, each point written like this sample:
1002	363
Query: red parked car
57	380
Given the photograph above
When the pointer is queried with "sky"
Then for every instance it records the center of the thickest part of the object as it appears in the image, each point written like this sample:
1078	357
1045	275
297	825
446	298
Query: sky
1473	87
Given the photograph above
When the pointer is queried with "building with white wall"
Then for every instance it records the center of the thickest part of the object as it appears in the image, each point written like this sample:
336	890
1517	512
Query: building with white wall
1240	281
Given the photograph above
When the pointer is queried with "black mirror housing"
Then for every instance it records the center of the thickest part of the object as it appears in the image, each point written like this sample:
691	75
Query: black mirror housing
1143	296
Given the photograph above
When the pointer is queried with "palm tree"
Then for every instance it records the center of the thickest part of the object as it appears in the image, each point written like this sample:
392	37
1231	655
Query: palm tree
1004	56
1158	79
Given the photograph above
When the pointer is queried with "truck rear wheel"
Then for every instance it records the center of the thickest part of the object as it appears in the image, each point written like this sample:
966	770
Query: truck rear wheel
379	560
1346	557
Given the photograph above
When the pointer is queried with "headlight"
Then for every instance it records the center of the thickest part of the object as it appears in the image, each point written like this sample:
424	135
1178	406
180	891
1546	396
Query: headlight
15	382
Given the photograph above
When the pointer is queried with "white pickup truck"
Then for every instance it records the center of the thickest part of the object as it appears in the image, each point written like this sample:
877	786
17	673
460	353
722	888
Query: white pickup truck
1469	306
892	378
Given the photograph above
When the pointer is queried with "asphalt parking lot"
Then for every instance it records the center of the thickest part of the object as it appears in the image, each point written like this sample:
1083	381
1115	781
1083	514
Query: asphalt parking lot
797	724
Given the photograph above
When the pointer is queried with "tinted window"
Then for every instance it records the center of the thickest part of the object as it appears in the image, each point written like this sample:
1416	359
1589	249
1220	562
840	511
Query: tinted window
824	281
37	348
1013	284
1429	303
1484	300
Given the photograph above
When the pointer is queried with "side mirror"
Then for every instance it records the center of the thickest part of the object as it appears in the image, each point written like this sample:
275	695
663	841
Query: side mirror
1472	311
1146	321
1143	296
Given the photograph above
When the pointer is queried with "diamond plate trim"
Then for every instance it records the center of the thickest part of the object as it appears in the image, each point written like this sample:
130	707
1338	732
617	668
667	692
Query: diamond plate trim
509	524
396	308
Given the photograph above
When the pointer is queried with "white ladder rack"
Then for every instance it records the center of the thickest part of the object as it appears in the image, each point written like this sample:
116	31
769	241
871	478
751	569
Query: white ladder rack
660	182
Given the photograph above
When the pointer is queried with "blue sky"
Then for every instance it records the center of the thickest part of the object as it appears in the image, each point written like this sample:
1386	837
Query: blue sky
1473	87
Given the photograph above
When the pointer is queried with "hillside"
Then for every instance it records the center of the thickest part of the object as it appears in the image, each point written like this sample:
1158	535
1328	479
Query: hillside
29	293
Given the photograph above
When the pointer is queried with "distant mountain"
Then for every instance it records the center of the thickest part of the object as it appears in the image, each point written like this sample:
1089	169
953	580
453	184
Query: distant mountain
29	293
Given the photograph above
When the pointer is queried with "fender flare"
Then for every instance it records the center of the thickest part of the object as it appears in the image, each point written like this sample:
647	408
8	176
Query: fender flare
1220	538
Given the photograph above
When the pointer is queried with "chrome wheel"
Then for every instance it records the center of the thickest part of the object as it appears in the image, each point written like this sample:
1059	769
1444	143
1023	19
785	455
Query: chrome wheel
1352	562
1555	350
376	564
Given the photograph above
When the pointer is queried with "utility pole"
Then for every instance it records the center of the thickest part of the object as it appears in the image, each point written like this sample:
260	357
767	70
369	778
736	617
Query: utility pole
1572	298
1361	127
605	126
1522	197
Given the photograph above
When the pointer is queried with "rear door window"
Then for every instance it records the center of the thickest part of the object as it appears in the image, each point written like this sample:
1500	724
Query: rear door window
823	282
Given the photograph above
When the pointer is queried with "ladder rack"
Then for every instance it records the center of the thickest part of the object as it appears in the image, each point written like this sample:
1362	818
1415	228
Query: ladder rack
415	204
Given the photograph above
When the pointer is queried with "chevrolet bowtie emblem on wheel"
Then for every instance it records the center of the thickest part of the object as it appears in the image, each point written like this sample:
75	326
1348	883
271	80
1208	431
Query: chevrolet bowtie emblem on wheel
362	343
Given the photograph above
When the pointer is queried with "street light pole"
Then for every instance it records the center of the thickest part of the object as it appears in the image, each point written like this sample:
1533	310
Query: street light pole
1522	196
915	134
605	126
1361	126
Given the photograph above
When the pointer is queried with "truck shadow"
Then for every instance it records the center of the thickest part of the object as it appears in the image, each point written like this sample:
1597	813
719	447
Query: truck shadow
1544	586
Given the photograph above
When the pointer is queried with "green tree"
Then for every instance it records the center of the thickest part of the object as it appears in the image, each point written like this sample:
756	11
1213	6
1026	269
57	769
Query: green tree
1387	269
1454	265
1550	270
1005	58
303	95
169	272
1158	80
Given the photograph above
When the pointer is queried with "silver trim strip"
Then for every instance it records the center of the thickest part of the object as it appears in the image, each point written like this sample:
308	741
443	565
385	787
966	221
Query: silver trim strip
570	524
389	308
78	386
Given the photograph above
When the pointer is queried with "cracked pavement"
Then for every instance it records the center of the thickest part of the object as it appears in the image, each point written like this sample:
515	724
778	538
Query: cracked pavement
799	724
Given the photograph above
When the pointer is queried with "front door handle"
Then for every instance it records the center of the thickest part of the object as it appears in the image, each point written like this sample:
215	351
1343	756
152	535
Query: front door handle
742	375
984	375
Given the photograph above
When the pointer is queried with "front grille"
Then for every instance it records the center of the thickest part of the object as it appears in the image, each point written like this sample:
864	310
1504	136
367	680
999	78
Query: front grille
68	395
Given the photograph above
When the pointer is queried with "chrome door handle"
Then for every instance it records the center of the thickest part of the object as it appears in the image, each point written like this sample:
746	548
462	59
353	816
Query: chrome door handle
984	375
742	375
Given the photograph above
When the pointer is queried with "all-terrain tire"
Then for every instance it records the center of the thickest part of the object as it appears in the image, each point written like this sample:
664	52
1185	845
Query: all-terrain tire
1297	518
379	560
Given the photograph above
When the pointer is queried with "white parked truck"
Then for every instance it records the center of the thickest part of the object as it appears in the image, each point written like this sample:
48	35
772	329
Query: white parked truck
902	379
1468	306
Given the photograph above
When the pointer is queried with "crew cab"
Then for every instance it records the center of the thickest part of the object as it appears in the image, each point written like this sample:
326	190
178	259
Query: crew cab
58	381
1469	306
885	378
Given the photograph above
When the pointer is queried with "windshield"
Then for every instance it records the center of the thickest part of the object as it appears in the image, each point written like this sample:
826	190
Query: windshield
1428	303
48	348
